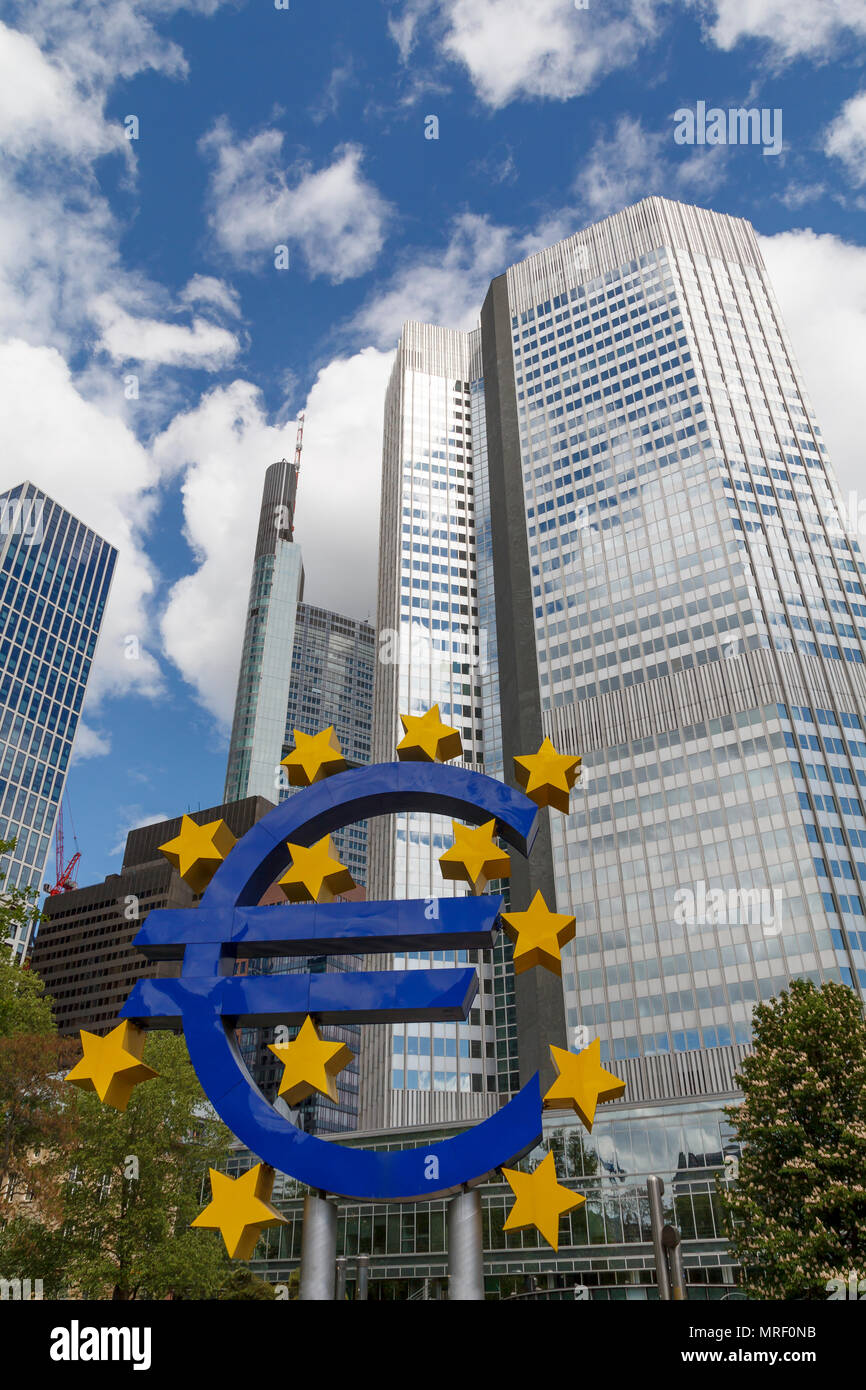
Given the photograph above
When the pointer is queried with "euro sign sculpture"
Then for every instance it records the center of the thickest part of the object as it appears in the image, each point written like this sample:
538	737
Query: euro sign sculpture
211	1001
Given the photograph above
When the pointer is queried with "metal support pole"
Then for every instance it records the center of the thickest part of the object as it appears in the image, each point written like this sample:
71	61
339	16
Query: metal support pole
318	1249
341	1278
363	1285
655	1187
672	1242
465	1248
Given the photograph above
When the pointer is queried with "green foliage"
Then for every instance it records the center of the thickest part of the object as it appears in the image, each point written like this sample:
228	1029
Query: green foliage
798	1207
135	1181
24	1008
36	1122
243	1284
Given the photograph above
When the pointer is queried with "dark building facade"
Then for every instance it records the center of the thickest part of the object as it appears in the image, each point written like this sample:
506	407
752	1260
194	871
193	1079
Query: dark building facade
84	952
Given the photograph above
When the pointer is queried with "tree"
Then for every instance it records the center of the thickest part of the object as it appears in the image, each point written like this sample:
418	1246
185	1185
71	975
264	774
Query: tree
135	1181
17	906
798	1206
244	1284
34	1120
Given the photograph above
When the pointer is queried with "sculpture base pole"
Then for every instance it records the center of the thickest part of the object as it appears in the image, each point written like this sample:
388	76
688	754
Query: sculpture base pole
318	1249
465	1248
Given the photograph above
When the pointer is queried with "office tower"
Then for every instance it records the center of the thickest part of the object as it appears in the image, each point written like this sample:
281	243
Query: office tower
84	952
333	662
276	588
660	547
430	652
55	574
301	668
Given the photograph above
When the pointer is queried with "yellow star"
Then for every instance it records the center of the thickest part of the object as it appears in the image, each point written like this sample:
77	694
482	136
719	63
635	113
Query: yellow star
315	874
541	1200
538	934
581	1082
240	1209
112	1066
427	739
547	777
198	851
313	757
310	1064
474	858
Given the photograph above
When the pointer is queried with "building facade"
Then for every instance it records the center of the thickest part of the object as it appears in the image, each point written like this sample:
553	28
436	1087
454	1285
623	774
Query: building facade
84	953
657	556
55	574
276	588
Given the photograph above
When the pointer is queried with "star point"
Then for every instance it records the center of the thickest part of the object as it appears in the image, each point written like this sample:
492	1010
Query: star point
539	1200
197	851
474	858
314	757
112	1066
538	935
315	873
428	739
310	1064
581	1082
547	777
240	1209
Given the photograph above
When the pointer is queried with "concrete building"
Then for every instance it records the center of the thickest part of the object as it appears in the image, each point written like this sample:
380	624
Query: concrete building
83	951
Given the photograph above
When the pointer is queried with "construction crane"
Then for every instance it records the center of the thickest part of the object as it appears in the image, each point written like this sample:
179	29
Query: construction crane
64	873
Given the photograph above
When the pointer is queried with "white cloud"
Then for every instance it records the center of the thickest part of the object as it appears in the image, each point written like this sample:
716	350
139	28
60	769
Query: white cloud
440	286
40	106
207	289
86	457
133	818
846	137
791	28
222	446
128	338
548	49
633	163
101	40
89	743
334	217
820	283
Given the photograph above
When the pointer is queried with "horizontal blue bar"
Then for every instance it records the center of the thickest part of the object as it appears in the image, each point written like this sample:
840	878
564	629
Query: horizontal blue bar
357	996
367	928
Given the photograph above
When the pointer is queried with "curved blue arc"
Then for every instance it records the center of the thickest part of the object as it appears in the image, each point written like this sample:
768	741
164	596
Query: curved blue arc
400	1175
250	869
378	790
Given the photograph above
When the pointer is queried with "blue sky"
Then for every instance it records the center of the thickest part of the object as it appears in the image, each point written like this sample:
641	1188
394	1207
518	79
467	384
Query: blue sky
153	360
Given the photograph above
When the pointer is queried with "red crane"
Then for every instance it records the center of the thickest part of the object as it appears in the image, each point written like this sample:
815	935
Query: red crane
64	881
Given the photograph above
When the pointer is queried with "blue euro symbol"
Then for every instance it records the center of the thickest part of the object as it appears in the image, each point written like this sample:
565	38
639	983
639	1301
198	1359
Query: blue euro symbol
212	1001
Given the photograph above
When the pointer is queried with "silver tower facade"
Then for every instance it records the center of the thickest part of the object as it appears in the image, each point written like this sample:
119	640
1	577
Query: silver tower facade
429	653
668	589
277	587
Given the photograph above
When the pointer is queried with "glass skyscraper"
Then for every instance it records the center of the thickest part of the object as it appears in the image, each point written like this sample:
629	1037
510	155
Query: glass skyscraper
55	575
302	668
276	588
652	547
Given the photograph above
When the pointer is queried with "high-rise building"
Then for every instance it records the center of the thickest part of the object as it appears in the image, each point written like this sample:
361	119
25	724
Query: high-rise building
84	951
657	562
55	574
276	588
333	662
302	668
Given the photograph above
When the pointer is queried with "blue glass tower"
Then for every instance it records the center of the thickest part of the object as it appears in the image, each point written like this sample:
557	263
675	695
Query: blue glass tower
55	574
